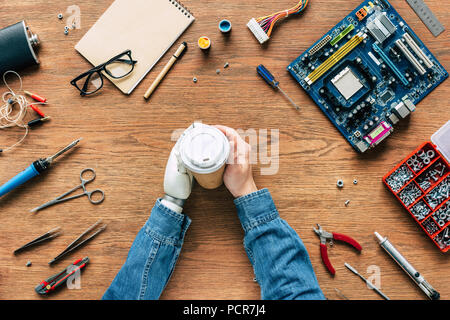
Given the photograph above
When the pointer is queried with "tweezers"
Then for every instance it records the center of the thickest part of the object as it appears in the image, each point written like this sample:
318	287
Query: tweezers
80	241
45	237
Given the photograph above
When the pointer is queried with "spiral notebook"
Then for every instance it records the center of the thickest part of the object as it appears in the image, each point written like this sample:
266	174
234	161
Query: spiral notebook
147	27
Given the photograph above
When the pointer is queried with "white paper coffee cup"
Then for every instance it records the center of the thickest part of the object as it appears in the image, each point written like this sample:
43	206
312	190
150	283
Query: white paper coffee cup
204	151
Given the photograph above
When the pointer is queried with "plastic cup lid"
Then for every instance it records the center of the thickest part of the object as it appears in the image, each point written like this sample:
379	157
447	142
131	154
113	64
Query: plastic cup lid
204	149
441	139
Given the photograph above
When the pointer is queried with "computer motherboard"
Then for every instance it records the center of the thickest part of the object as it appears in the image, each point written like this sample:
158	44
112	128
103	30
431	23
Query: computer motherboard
368	73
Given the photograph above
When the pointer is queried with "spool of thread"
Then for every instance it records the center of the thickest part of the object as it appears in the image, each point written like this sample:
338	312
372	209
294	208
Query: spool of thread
16	47
225	26
204	43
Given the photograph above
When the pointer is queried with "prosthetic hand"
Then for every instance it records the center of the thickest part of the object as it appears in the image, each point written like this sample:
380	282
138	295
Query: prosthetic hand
177	181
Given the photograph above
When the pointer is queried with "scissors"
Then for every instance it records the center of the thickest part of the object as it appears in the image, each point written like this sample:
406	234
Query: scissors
84	181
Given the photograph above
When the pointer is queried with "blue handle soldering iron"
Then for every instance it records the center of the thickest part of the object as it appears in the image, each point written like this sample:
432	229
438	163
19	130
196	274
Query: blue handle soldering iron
35	169
270	80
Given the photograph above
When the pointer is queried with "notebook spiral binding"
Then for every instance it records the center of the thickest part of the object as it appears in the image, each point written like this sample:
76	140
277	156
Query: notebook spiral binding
181	7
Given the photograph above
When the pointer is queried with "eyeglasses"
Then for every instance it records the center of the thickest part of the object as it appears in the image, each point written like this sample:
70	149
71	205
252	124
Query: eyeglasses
117	67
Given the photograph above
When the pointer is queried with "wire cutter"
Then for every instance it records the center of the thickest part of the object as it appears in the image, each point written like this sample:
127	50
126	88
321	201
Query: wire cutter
324	236
50	284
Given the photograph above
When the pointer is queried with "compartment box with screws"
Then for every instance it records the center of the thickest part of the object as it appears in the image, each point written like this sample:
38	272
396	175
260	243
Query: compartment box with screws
421	182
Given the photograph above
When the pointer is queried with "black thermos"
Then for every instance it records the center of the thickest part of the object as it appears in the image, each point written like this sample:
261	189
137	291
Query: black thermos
16	48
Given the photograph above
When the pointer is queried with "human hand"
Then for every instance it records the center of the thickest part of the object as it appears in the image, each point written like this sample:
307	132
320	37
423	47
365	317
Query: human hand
238	176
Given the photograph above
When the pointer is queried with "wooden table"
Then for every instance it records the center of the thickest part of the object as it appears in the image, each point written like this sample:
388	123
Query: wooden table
128	140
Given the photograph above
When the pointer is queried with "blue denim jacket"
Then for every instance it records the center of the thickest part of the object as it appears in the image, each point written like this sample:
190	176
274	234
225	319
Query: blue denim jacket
280	261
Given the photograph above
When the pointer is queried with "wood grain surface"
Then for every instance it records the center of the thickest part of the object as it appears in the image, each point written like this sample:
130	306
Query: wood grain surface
127	141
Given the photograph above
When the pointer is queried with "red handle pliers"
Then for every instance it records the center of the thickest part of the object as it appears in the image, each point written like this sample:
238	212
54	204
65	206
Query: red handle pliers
324	236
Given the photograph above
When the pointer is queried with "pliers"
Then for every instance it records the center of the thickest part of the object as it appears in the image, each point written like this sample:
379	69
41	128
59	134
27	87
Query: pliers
324	236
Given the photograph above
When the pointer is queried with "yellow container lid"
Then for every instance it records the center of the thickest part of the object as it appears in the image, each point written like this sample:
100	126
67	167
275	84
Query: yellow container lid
204	42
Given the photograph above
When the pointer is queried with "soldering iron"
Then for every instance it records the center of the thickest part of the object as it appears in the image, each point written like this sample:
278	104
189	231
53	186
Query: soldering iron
35	169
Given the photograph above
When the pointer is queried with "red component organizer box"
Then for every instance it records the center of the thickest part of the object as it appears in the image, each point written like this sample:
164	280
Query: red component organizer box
421	182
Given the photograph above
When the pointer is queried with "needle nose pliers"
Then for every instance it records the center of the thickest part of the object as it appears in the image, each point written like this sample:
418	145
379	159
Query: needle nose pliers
324	236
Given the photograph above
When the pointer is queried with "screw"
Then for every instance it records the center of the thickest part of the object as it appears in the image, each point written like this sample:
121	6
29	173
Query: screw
410	194
347	203
28	264
399	178
430	226
420	210
226	65
443	239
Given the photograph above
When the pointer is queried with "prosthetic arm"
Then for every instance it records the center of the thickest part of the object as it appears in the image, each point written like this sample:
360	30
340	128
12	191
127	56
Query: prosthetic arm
177	180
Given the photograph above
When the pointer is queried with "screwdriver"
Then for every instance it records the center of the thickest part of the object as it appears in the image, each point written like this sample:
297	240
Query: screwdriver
35	169
270	79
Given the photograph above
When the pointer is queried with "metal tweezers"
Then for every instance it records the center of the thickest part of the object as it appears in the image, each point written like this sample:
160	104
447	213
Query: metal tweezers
45	237
79	241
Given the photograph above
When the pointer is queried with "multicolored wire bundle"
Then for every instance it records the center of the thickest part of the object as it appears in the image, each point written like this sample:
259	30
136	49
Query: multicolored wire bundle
268	22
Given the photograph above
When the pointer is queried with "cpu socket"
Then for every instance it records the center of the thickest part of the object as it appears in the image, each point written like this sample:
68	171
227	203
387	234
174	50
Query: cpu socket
347	83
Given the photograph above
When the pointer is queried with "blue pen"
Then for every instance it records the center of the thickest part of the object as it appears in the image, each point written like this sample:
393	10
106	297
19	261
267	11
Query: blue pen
35	169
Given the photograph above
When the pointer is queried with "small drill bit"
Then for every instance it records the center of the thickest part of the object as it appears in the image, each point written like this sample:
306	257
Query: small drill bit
340	293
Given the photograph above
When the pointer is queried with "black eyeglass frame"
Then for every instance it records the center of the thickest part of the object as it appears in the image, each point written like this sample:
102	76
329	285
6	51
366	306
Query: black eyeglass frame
102	68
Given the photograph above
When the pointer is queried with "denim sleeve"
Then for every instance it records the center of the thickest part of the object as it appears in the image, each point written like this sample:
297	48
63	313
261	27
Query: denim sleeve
280	261
152	257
